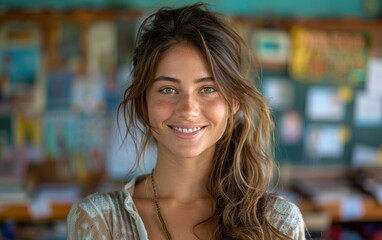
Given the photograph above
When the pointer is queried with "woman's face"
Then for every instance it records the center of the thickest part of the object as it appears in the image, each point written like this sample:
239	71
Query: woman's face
187	113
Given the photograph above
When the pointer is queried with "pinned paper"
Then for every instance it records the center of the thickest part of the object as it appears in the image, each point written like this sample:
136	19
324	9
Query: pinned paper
373	83
279	92
58	89
291	127
352	208
88	93
324	141
368	109
364	155
325	103
20	63
101	47
41	208
28	130
271	46
58	133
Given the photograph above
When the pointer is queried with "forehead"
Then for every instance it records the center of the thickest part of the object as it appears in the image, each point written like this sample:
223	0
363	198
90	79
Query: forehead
184	54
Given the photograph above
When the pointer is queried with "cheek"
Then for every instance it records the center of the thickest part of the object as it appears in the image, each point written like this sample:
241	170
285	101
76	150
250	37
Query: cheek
158	111
217	111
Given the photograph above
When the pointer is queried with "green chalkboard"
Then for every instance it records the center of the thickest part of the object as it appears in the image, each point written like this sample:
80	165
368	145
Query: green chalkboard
296	153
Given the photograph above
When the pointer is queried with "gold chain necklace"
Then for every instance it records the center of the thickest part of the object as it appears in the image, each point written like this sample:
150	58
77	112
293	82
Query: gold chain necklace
164	227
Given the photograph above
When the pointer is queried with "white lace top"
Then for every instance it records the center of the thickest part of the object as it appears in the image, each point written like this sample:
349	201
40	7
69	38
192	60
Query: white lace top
113	215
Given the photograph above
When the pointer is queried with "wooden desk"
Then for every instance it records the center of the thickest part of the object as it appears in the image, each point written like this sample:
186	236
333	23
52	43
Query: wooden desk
372	211
20	212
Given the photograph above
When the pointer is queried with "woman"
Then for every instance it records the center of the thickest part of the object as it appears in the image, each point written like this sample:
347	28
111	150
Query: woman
193	97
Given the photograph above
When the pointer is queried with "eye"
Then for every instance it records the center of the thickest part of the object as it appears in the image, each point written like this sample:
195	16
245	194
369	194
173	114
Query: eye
208	90
167	90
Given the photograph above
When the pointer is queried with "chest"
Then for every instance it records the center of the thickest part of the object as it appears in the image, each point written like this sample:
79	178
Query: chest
183	221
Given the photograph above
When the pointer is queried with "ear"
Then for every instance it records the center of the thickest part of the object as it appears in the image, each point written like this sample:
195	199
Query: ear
235	105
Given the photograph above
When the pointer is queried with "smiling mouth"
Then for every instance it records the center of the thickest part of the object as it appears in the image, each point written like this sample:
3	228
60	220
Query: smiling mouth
187	130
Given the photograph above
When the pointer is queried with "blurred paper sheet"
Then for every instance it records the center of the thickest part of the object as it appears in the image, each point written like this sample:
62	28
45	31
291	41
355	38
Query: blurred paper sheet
101	47
324	141
279	92
374	81
41	208
48	194
58	193
352	208
368	109
378	193
291	127
364	156
325	103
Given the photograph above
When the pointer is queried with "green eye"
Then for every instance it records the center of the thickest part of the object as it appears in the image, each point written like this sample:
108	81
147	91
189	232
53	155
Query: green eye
208	90
167	91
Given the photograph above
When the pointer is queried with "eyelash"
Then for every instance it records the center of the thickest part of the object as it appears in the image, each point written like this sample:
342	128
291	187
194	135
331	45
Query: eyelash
169	90
166	90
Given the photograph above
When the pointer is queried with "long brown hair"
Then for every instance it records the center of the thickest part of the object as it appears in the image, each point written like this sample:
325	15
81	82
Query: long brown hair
243	160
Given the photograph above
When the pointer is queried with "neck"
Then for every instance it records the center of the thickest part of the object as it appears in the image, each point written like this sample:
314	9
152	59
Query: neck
182	180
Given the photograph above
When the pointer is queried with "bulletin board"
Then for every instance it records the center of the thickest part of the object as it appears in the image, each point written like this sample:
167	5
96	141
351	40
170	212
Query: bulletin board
327	99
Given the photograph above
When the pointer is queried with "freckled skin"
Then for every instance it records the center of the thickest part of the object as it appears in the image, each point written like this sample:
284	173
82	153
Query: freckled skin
184	94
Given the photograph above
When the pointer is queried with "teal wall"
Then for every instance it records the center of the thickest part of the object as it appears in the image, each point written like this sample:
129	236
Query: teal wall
261	8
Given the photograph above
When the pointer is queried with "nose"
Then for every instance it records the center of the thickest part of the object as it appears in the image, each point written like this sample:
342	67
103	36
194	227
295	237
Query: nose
187	106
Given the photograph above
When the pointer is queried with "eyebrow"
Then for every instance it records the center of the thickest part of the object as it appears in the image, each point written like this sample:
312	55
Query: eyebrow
176	80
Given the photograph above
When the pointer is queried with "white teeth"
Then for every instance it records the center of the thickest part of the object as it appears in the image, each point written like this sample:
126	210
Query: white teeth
187	130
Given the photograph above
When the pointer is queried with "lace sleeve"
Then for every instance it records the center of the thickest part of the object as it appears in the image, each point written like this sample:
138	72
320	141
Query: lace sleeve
299	228
80	225
287	217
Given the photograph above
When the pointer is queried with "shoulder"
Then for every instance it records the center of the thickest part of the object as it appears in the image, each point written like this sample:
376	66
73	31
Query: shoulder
287	218
94	204
100	203
92	215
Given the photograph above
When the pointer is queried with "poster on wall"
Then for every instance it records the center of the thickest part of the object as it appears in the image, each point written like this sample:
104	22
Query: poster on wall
19	34
101	48
291	127
324	140
28	131
69	44
374	79
58	133
328	56
58	89
18	86
365	156
270	46
91	131
325	104
88	93
20	59
368	109
279	93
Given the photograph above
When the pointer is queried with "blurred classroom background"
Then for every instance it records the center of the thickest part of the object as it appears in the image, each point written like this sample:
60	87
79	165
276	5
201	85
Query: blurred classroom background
64	66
